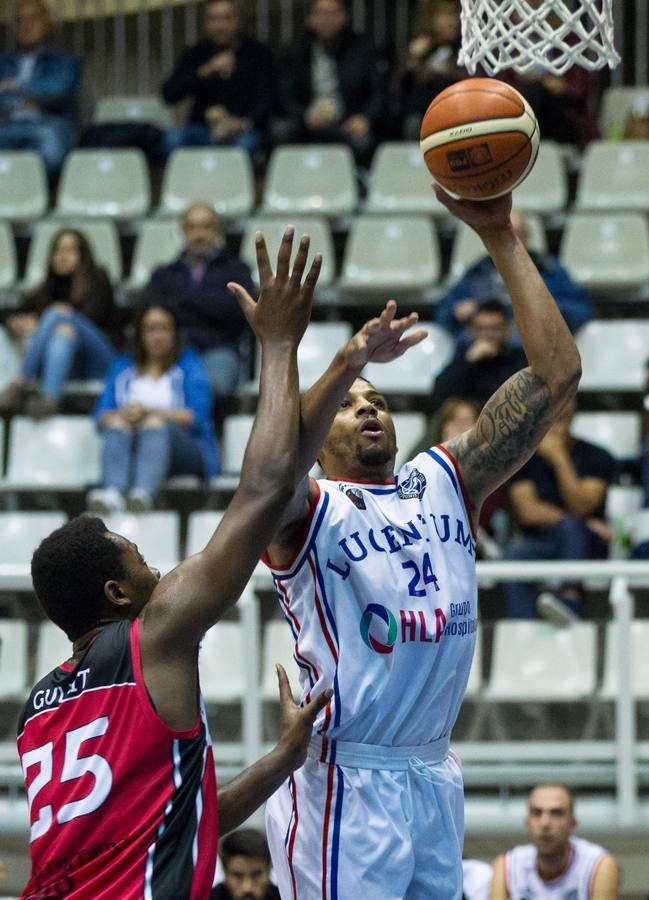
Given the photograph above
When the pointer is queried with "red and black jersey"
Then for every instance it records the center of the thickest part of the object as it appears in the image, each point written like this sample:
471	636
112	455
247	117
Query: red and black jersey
121	805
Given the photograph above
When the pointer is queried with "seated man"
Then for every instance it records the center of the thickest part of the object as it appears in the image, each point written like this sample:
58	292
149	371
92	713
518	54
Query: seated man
555	863
558	498
195	287
245	859
482	282
231	80
476	371
39	89
333	86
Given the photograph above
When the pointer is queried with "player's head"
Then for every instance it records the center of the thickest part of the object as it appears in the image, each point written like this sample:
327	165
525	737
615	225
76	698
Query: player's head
328	19
33	23
246	863
361	444
490	322
203	231
550	819
85	575
222	21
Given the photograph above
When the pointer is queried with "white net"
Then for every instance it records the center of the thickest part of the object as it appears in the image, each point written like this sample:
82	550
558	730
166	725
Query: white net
526	34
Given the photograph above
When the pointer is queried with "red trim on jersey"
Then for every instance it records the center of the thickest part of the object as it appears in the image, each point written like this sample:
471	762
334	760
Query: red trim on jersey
362	481
325	828
67	667
307	525
321	615
465	495
143	694
289	612
291	842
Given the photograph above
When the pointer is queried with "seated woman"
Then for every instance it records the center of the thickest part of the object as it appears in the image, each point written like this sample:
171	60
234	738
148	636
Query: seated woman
155	417
66	328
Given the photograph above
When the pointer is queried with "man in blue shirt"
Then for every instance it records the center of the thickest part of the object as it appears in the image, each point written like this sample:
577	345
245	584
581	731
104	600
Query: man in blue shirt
39	89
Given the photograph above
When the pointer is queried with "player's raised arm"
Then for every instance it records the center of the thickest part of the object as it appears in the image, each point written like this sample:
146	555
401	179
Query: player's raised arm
195	595
516	417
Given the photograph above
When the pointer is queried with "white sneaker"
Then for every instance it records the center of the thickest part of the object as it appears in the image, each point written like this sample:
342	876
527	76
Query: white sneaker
555	610
105	500
139	501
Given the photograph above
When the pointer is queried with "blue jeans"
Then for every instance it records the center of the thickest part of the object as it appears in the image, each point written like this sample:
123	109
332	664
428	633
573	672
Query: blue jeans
85	353
198	135
144	459
50	137
223	367
570	538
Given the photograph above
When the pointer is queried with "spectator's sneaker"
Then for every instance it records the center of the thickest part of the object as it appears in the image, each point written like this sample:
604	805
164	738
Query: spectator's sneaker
555	610
105	500
138	501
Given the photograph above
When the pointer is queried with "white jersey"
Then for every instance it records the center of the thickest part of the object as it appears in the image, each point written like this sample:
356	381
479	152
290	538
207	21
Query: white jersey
525	883
382	602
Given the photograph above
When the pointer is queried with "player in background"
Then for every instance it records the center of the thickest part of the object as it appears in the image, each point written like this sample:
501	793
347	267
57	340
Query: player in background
556	863
114	743
376	576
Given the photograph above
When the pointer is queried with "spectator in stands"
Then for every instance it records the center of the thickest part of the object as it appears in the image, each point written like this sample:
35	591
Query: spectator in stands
430	64
39	90
636	125
154	416
195	286
555	862
482	282
67	327
333	85
558	498
478	369
246	868
232	82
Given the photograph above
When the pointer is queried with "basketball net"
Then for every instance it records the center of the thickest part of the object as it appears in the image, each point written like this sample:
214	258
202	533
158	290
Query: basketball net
522	35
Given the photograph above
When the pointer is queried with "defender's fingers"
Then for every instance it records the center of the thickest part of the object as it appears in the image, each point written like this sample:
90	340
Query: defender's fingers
284	253
409	340
299	262
401	325
263	262
389	312
244	299
314	705
285	694
312	276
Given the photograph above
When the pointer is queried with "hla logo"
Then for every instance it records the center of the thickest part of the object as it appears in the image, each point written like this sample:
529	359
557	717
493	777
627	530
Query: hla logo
414	627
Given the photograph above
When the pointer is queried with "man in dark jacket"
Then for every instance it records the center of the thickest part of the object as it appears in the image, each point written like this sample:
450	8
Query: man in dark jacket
39	90
333	83
194	285
246	868
232	81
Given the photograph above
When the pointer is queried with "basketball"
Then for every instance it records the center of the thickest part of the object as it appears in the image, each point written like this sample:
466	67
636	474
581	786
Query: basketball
479	138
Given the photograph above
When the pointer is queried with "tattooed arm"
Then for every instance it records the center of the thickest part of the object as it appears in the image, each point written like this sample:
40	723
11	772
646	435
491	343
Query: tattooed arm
517	416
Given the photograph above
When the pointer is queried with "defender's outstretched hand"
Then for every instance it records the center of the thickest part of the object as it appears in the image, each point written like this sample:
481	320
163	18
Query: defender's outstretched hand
481	215
384	338
283	309
296	722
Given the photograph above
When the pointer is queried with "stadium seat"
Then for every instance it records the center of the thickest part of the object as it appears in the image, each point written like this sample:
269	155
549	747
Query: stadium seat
475	683
390	253
13	661
613	355
9	359
201	525
416	370
157	535
617	432
23	186
103	239
609	689
545	190
614	176
410	428
607	251
8	266
21	532
53	647
220	663
615	106
110	184
400	182
278	647
59	453
236	431
273	227
221	177
150	110
158	242
468	249
316	178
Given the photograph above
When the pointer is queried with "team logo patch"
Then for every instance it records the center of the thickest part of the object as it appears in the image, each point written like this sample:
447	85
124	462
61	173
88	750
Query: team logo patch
355	495
413	487
370	627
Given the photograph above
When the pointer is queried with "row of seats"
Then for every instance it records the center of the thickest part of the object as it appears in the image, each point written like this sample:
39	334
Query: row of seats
606	252
319	179
526	656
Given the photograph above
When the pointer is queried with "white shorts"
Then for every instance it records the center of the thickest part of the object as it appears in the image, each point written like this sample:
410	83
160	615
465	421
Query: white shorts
369	823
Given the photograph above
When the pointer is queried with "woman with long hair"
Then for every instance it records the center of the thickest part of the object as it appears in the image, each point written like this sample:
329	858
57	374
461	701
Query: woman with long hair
155	416
66	327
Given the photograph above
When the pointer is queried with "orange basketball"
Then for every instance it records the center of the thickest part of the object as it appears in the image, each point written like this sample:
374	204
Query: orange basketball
479	138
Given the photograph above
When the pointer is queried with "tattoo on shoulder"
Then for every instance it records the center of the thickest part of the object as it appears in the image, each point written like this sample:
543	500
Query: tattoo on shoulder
510	427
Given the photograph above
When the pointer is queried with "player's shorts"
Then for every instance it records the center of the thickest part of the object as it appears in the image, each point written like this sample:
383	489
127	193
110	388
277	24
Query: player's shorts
364	822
